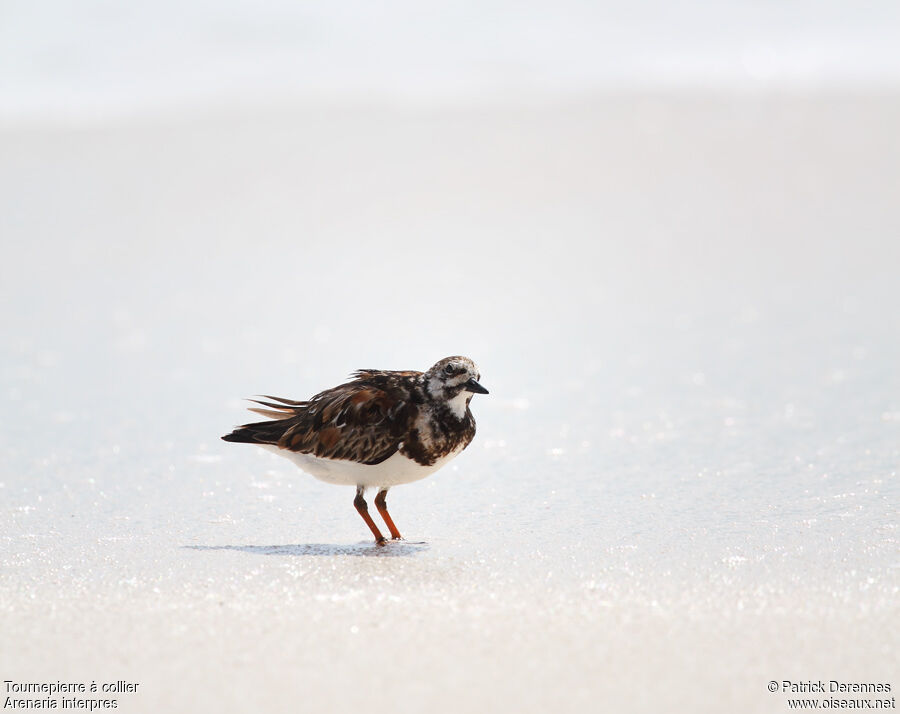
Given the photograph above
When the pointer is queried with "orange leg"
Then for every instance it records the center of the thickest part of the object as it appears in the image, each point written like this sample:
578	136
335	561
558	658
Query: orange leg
363	509
381	505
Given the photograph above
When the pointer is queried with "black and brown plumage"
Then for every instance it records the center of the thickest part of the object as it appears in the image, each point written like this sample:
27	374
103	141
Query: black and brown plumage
379	430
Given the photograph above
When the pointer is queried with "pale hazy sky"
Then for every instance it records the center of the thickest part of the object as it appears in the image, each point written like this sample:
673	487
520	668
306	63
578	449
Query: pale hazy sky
98	57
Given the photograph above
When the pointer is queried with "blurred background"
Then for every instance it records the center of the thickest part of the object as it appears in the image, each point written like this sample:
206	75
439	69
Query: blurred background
669	234
98	59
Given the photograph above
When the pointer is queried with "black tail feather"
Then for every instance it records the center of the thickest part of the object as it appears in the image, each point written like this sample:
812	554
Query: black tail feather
288	402
264	432
273	405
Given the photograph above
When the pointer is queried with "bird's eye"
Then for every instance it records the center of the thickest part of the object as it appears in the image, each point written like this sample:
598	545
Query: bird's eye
448	369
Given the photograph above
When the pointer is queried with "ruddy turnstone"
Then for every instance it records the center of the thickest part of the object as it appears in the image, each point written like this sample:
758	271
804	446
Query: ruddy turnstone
381	429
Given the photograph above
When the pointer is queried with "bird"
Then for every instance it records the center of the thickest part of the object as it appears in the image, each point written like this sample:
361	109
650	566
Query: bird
380	429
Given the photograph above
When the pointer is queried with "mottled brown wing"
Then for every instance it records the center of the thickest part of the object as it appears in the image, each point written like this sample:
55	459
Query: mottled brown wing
358	421
386	377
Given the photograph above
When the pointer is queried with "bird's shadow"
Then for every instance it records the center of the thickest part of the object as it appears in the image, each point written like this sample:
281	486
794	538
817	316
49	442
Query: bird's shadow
392	549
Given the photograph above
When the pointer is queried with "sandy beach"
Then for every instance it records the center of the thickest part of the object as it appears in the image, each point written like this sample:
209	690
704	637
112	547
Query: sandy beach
684	482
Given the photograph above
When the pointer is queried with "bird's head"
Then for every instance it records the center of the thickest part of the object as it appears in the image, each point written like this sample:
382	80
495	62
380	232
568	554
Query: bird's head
454	379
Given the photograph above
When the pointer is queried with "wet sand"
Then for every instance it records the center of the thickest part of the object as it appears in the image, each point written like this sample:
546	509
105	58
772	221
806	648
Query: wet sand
684	480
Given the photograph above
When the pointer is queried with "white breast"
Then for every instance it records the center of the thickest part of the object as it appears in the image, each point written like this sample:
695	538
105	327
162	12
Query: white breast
396	470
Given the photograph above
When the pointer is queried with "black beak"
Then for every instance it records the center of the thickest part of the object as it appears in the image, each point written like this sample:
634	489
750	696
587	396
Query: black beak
473	386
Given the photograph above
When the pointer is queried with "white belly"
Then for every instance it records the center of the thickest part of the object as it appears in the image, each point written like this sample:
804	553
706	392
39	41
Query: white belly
394	471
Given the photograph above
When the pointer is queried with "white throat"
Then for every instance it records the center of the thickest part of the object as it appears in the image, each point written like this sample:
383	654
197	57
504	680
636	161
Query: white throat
459	403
